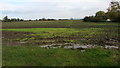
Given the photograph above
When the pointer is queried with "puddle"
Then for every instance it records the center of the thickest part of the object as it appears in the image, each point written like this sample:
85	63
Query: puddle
110	47
75	46
68	46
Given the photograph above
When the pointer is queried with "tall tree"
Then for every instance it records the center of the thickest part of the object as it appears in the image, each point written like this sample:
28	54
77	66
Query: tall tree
5	19
100	16
114	11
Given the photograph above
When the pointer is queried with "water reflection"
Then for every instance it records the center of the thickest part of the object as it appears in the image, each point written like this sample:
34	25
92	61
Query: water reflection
76	46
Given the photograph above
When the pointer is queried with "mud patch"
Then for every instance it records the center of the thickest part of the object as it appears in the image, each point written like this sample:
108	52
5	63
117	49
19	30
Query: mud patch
8	36
14	34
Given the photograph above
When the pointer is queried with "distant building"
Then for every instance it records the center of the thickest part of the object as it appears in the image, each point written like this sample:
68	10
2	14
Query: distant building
108	20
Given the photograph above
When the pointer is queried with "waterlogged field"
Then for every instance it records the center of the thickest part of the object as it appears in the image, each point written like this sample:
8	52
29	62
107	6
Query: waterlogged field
60	43
62	35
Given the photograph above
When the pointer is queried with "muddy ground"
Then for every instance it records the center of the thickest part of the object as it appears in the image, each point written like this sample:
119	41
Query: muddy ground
25	38
9	36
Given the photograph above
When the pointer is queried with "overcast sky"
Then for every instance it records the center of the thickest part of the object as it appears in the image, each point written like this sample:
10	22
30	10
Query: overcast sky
35	9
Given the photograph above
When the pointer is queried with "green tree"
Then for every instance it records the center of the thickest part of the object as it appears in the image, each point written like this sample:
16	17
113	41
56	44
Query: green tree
100	16
5	19
43	19
89	19
14	19
114	11
21	20
18	19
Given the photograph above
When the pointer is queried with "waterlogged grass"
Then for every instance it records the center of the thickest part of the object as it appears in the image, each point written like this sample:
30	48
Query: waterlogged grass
86	33
47	32
38	30
60	31
36	56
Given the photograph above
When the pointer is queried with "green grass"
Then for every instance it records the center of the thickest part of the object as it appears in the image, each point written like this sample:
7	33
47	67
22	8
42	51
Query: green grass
36	56
65	31
58	24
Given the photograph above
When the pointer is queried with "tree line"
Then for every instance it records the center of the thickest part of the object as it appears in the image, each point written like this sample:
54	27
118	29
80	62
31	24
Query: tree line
6	19
112	14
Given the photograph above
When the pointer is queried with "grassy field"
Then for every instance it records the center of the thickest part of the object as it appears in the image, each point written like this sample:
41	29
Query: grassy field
36	56
22	41
57	24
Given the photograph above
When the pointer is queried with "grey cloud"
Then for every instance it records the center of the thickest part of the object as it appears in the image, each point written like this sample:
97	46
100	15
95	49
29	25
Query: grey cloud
53	9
